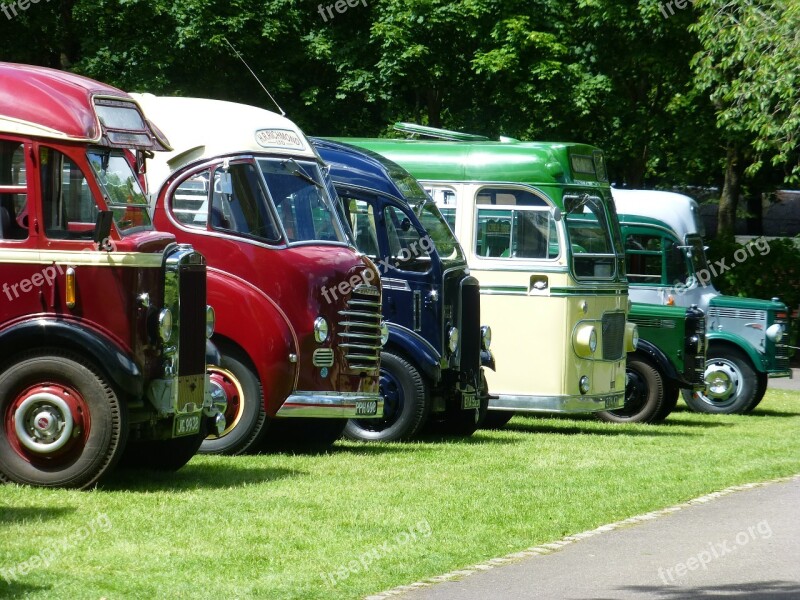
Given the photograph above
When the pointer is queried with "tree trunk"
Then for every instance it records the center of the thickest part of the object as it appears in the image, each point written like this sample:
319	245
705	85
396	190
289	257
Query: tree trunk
434	107
726	217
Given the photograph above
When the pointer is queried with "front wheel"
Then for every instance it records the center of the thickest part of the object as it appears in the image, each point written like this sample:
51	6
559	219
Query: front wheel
463	423
730	384
406	404
63	424
244	416
644	395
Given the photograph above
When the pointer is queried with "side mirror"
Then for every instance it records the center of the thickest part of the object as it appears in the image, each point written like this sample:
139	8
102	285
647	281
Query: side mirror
405	224
102	228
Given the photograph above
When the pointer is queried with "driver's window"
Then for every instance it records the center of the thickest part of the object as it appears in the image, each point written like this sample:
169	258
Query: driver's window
407	249
643	258
362	222
514	223
238	203
69	208
14	198
190	200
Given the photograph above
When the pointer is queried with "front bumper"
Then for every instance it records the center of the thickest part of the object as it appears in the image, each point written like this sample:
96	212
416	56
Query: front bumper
333	405
559	404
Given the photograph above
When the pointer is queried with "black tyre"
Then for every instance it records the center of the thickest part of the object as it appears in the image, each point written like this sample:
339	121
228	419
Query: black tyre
761	389
164	455
245	415
644	395
463	423
301	435
671	395
497	419
731	383
63	423
406	404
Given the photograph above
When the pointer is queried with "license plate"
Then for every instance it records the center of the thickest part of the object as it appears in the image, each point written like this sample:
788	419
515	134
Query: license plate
470	400
366	408
186	425
611	402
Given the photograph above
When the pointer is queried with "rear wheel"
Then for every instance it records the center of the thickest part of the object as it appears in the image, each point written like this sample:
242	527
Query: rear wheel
644	395
244	416
406	404
63	424
730	384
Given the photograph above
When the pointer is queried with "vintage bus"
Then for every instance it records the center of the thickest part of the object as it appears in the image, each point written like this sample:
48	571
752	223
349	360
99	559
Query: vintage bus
103	320
539	228
431	371
298	308
666	261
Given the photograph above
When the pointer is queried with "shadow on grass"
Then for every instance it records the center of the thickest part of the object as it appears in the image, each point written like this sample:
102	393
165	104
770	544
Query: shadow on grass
677	421
17	514
759	590
534	427
192	477
766	412
19	589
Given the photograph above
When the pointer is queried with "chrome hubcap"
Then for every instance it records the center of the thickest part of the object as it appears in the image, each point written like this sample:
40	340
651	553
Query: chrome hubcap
43	423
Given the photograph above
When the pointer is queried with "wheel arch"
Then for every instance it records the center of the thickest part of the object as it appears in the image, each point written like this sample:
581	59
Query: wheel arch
660	361
726	340
415	349
112	361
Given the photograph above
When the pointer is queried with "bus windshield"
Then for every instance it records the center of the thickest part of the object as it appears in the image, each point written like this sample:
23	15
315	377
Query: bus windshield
439	232
121	188
302	202
589	237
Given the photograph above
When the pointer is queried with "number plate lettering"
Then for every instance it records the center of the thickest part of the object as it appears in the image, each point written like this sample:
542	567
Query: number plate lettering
366	408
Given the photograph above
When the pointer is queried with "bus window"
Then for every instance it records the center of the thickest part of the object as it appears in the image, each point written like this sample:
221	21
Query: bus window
362	221
643	258
514	223
190	200
238	203
13	201
406	247
70	211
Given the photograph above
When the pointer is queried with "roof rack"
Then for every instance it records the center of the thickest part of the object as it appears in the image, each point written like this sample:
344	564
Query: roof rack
439	134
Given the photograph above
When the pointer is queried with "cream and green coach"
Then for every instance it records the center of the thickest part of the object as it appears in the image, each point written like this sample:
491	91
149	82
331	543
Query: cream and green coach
541	235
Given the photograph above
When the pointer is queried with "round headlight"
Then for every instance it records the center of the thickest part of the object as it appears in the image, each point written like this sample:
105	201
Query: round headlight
320	329
635	338
585	385
165	324
211	321
486	337
775	332
384	333
585	341
452	339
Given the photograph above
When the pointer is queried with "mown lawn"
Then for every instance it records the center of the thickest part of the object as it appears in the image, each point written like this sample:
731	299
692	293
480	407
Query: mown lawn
277	526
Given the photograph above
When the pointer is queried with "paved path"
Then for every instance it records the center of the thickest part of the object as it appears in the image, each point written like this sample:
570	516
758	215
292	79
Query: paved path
742	545
786	383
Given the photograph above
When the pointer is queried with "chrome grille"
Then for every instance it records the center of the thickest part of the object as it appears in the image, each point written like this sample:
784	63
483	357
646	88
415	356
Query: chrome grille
781	349
697	371
323	357
613	335
360	329
737	313
652	322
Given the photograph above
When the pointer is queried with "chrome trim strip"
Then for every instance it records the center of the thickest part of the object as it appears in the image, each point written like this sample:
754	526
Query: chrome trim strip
339	405
558	404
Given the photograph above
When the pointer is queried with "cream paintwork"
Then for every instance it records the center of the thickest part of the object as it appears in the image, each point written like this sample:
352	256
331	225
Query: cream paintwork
216	128
532	330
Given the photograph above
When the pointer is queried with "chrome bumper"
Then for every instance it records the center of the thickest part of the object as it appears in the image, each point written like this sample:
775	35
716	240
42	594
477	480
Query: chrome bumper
332	405
559	404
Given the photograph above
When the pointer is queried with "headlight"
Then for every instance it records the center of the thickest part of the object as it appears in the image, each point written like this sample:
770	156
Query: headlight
775	332
585	341
320	329
165	324
486	337
631	336
384	333
452	339
585	385
211	320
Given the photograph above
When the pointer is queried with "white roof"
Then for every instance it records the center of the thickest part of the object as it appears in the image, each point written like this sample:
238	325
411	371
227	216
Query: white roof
198	128
676	211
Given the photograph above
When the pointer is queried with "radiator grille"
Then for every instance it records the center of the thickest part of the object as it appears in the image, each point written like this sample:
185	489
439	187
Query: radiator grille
781	349
613	335
695	367
470	328
653	322
737	313
192	320
360	329
323	357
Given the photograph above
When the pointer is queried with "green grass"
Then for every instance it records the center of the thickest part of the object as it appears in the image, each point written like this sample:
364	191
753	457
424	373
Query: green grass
269	526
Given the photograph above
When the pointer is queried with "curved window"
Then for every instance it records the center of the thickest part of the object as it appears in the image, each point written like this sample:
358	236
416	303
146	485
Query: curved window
589	234
121	189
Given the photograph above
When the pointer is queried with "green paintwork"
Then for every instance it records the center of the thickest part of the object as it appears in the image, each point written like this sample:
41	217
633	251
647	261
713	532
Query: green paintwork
543	163
722	301
662	326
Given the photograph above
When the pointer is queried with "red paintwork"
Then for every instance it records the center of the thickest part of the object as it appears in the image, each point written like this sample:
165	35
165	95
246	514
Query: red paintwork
266	300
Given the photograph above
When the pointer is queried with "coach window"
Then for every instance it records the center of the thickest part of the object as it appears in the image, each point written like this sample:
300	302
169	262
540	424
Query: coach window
68	206
190	200
13	191
643	255
361	215
407	249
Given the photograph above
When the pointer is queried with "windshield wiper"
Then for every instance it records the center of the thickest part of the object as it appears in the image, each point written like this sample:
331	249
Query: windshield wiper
295	169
